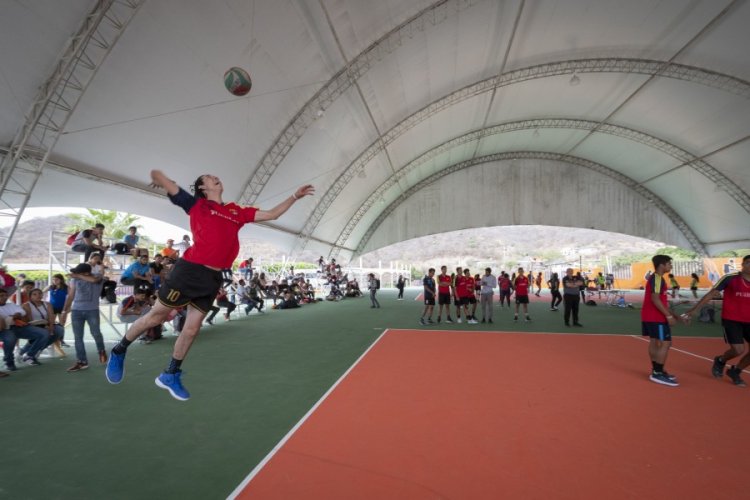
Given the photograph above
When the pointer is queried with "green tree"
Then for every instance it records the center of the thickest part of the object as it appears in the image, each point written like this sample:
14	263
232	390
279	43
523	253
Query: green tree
116	223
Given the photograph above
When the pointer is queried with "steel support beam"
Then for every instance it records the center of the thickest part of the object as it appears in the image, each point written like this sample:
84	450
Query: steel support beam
537	124
55	103
614	65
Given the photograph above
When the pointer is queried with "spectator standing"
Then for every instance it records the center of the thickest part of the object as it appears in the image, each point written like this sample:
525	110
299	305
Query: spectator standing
521	285
82	304
458	290
183	245
674	285
694	279
571	290
488	283
554	288
582	288
538	283
400	285
58	292
428	283
372	286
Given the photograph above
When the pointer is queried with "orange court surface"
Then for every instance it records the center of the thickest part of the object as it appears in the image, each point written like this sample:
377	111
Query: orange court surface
441	414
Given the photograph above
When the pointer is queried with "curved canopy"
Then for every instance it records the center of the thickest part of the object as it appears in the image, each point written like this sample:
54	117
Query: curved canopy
409	117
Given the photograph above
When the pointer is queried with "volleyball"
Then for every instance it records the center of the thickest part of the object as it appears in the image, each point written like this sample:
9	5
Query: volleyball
237	81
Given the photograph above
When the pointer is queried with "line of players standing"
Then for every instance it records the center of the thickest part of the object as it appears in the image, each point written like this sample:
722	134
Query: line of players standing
462	289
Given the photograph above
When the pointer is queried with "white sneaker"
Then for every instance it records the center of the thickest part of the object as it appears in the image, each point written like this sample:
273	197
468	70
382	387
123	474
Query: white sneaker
459	320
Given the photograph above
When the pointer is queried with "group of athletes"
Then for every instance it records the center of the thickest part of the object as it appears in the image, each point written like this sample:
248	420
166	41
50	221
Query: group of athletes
461	290
657	320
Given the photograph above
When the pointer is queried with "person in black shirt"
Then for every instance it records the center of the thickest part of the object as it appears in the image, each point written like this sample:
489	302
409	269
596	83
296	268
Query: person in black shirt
571	289
429	296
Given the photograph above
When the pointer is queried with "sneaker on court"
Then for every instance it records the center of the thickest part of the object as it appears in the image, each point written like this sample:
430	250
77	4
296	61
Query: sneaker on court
115	368
449	320
515	318
663	379
29	360
489	320
734	374
458	320
78	366
718	369
528	318
472	322
422	321
669	376
429	320
438	319
173	383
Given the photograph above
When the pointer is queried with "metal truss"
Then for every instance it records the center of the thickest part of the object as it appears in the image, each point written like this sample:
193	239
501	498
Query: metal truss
612	65
538	155
433	15
55	103
565	123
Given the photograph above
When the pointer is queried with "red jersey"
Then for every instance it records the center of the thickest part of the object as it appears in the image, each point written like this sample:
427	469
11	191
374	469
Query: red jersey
736	305
461	287
469	287
649	313
521	285
503	283
444	283
215	227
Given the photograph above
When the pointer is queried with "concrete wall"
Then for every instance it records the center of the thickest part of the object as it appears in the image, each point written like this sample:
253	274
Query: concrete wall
523	192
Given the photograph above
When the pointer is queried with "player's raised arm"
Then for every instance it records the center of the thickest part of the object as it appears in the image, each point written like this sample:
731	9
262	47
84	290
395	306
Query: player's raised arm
278	210
159	180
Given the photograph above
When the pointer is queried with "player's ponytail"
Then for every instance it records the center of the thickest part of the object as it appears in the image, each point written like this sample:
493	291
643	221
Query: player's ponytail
196	187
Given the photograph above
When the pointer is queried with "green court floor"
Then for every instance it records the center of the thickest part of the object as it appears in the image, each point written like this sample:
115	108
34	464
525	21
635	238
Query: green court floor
73	435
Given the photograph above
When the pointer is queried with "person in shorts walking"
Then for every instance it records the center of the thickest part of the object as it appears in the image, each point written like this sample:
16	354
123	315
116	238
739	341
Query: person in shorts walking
735	319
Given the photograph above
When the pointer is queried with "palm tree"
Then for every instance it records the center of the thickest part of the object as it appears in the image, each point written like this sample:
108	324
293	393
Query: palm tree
116	223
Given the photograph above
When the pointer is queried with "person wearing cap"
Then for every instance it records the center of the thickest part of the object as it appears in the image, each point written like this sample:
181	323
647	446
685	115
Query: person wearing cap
14	326
169	251
82	304
195	278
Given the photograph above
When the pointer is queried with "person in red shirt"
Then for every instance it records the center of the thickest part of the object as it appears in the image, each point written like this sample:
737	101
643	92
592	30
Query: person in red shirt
521	285
456	297
196	278
504	284
469	297
444	294
735	319
656	320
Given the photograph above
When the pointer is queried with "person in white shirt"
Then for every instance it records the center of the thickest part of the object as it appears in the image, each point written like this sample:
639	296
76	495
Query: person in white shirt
489	283
16	327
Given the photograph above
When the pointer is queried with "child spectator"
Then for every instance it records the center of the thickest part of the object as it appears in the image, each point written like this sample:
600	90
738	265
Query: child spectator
58	292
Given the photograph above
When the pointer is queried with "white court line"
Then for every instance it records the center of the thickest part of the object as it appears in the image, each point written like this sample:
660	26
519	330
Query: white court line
291	432
686	352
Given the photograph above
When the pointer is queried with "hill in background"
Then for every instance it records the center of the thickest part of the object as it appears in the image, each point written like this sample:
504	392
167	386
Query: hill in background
506	245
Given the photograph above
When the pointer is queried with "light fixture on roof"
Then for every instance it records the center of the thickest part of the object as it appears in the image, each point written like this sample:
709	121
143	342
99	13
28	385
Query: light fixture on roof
382	200
320	113
362	174
574	80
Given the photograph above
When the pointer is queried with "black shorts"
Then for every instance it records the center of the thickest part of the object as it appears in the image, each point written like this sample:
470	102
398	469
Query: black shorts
658	331
504	293
472	299
429	300
463	301
522	299
444	299
190	283
735	332
456	301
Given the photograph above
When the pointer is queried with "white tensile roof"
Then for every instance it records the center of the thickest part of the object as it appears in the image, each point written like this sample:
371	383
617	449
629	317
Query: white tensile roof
410	117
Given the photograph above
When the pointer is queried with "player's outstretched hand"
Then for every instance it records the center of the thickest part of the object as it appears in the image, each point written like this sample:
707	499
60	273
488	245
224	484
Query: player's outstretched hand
306	190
